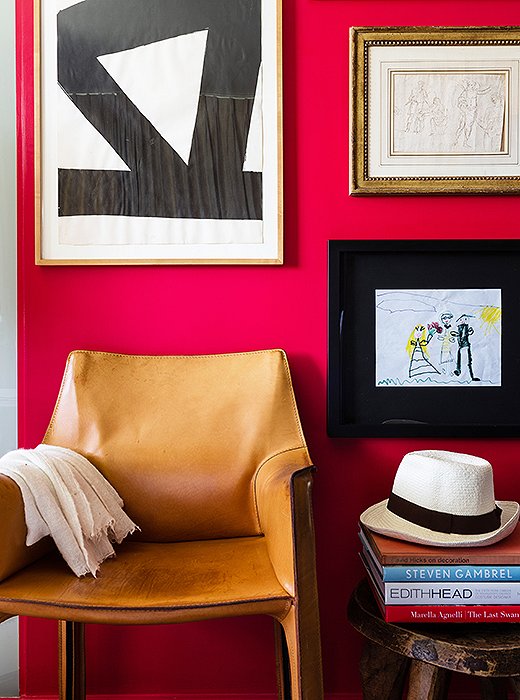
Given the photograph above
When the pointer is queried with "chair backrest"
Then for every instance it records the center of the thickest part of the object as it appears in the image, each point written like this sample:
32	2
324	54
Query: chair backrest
179	437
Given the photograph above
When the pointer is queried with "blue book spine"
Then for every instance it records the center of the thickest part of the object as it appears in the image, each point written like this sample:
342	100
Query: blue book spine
432	574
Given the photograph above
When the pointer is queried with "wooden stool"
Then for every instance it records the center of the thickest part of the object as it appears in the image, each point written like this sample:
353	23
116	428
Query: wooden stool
425	655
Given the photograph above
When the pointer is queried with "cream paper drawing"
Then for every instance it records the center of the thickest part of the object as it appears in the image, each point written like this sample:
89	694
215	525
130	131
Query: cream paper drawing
449	112
448	337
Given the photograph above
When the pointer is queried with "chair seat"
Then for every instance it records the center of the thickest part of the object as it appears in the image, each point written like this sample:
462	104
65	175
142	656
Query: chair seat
153	584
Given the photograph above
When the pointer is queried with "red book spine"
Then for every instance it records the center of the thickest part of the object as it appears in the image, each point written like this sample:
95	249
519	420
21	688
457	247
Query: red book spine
451	613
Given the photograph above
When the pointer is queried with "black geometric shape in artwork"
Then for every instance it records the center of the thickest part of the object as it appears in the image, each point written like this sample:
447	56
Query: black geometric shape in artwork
213	184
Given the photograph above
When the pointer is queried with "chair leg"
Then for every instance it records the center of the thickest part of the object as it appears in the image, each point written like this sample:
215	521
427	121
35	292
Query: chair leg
283	671
301	626
72	679
299	659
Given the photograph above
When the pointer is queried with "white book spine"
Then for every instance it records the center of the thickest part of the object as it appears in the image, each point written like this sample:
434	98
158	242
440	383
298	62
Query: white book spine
452	593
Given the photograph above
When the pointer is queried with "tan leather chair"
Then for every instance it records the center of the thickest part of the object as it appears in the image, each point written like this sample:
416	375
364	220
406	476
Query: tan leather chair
209	456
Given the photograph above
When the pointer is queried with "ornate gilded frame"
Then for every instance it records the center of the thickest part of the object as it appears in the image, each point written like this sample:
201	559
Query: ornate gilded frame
478	46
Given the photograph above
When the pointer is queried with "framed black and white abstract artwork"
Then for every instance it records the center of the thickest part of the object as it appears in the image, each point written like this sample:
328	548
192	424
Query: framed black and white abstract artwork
158	132
423	338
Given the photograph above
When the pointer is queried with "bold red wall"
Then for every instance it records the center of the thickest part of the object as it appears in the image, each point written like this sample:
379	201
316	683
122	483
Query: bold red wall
196	309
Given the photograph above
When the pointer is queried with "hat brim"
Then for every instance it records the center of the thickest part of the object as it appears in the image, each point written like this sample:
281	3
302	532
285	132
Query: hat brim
383	521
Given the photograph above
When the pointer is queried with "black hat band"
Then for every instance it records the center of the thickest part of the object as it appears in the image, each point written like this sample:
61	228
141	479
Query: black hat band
444	522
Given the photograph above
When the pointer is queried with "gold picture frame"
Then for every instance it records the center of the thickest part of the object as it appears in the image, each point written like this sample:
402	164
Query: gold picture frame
434	110
84	213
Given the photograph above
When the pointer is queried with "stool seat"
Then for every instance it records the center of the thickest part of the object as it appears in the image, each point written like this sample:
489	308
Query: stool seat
425	655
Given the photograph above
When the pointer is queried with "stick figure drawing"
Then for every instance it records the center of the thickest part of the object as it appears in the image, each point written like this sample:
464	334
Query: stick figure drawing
447	341
419	362
462	334
438	337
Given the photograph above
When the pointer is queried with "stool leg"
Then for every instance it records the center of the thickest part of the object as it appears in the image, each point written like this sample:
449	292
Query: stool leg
383	673
427	682
72	684
514	682
493	688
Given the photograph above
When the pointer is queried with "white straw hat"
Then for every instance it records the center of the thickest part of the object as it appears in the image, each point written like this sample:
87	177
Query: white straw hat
443	498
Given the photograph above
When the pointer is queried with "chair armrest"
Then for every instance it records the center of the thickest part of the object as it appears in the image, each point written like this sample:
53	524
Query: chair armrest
283	496
14	553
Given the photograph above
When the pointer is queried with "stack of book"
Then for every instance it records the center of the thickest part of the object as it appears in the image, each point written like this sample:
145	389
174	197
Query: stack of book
418	583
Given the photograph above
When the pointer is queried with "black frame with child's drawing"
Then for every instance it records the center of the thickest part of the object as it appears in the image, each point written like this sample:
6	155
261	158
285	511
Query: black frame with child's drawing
424	338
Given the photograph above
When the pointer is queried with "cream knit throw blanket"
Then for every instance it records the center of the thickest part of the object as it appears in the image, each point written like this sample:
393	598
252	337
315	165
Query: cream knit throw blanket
66	497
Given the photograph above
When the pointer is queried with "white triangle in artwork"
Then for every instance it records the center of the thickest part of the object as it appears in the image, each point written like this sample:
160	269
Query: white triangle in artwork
254	160
63	4
163	81
80	145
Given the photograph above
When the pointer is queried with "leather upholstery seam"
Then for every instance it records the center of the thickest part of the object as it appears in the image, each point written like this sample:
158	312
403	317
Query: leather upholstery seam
183	357
293	399
58	400
160	608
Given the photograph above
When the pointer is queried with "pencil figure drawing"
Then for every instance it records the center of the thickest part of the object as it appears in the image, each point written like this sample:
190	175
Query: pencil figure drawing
449	112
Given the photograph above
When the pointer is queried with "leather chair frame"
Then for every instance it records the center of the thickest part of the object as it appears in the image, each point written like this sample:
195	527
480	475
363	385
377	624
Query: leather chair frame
270	521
